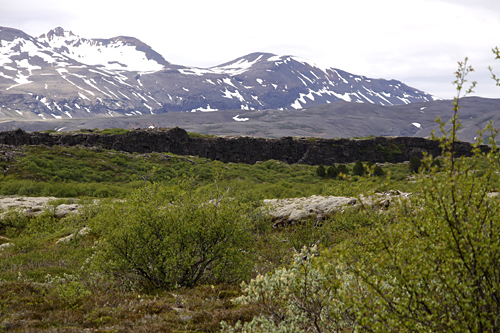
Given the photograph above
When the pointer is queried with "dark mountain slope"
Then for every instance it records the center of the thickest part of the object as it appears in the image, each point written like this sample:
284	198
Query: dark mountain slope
339	119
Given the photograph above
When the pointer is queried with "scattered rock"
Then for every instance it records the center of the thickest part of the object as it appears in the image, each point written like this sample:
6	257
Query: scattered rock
67	239
383	200
34	206
5	246
65	209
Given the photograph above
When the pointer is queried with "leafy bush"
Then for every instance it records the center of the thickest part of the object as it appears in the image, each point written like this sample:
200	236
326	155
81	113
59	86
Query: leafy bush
320	171
358	169
378	171
436	164
415	164
432	265
170	236
342	168
332	171
302	298
68	288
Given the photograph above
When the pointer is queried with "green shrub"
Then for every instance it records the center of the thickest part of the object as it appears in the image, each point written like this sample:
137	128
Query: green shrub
378	171
436	164
170	236
358	169
415	164
332	171
432	265
301	298
320	171
342	168
68	288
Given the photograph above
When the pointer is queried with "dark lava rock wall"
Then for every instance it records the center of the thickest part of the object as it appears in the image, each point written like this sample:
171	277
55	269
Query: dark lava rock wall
242	149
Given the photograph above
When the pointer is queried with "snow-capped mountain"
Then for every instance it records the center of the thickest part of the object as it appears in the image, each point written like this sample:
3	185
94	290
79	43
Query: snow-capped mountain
60	75
119	53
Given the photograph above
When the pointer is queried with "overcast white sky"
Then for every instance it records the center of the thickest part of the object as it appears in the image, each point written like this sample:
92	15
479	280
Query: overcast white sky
418	42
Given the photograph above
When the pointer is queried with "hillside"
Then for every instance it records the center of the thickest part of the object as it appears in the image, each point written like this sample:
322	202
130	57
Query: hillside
338	119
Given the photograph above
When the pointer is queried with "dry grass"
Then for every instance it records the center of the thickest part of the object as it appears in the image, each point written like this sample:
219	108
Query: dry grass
34	307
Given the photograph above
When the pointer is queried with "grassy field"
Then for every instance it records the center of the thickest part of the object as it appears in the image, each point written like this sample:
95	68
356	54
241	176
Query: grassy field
81	172
49	287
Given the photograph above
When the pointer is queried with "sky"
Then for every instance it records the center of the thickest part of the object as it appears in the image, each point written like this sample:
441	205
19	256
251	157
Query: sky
418	42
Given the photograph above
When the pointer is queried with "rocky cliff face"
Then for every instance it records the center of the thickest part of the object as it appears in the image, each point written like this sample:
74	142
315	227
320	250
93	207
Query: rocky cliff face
241	149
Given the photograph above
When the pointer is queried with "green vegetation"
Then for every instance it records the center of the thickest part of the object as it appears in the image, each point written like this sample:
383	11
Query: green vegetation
358	169
378	171
332	171
342	169
169	237
83	172
181	244
389	150
415	164
363	137
320	171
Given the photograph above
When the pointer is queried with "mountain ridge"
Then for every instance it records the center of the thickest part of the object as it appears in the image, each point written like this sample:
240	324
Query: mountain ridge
60	75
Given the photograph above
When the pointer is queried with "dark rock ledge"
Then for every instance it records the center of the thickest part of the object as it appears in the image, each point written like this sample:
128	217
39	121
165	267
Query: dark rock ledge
244	149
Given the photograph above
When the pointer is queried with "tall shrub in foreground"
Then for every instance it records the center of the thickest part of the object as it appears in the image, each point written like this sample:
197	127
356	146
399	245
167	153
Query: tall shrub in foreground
170	237
433	265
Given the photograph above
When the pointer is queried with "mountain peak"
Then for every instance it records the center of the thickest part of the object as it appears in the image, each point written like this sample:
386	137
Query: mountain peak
57	32
118	53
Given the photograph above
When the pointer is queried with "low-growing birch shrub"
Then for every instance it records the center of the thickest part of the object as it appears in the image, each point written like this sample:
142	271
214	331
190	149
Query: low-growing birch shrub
68	288
301	298
170	237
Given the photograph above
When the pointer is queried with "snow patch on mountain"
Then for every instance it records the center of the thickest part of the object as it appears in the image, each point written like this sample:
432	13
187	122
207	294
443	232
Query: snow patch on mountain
230	95
207	109
237	118
237	67
113	54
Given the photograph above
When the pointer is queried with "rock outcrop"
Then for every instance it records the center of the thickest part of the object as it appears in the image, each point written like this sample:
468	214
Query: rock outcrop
243	149
34	206
284	212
